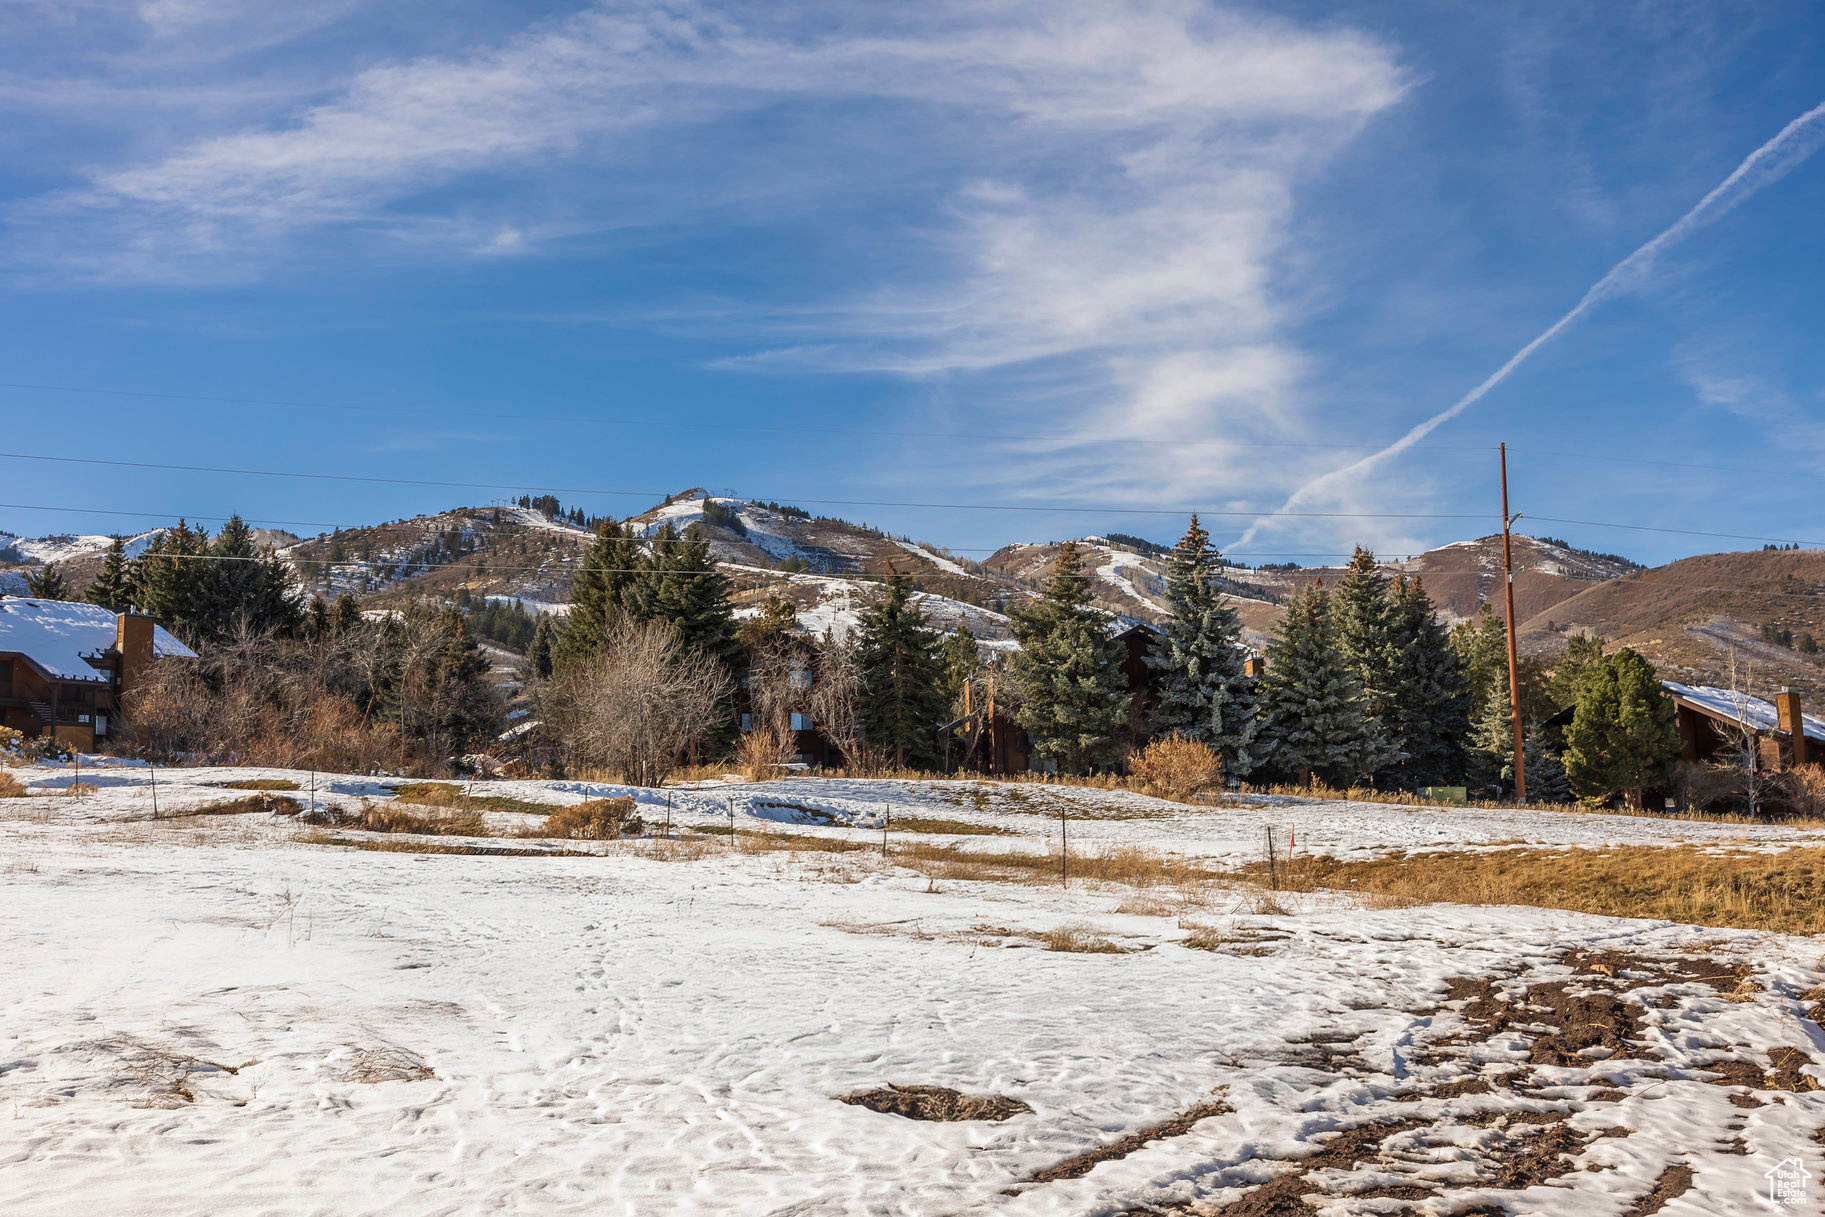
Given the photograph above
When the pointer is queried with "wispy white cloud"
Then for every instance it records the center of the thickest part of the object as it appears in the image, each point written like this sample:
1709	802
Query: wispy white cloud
1795	142
1115	187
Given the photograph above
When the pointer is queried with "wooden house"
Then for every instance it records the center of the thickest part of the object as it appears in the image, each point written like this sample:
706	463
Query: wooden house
1713	721
64	666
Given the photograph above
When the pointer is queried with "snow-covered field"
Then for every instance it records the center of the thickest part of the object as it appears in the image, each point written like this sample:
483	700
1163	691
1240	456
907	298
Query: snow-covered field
216	1014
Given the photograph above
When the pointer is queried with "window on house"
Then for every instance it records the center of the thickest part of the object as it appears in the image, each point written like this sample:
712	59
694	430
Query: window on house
801	678
747	722
801	722
6	678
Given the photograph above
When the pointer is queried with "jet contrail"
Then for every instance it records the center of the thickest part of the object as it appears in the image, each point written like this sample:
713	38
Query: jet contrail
1796	141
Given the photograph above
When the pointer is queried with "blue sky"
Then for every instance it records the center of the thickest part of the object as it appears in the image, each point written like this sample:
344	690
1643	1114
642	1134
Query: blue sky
1128	257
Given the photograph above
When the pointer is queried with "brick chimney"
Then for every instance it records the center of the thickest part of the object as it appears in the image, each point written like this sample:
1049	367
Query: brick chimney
1787	704
133	639
1255	665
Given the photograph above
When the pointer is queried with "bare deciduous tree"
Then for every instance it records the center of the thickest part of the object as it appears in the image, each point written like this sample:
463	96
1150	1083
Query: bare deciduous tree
635	708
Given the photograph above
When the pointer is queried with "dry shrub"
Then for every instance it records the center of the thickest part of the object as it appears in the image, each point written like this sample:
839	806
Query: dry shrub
11	787
376	1065
637	708
1801	791
400	818
1078	939
595	820
259	784
12	746
760	753
1178	767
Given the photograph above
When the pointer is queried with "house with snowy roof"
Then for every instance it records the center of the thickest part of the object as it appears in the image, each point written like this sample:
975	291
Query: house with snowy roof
64	666
1713	721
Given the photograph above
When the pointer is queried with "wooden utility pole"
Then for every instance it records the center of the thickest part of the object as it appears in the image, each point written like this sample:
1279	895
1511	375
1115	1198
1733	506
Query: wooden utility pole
1514	663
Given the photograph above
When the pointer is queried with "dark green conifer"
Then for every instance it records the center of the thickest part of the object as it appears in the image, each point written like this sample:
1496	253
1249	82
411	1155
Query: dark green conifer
47	583
1313	725
1205	692
1432	706
113	587
600	594
902	702
1074	696
1623	737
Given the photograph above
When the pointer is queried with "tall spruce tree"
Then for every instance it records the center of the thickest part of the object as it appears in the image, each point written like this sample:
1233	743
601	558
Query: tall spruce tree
1362	612
1205	692
538	652
169	573
1623	736
682	586
1490	756
1074	697
902	702
113	587
1432	706
243	584
47	584
1481	644
600	594
1312	719
1546	780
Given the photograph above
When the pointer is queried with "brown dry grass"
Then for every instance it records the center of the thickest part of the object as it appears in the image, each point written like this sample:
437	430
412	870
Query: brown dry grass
1783	892
399	818
943	827
446	794
1076	938
258	784
595	820
11	787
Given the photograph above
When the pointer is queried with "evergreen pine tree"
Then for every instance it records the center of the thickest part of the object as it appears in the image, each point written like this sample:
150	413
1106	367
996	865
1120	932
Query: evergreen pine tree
47	584
777	616
169	572
538	652
317	622
1546	780
600	593
1491	741
1074	695
1432	705
1313	725
1623	735
1204	690
681	585
1482	650
1362	613
902	702
1582	654
348	613
241	582
113	587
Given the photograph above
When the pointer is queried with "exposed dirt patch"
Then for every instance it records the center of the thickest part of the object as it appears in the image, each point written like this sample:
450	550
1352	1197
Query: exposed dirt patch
1178	1126
935	1103
1674	1182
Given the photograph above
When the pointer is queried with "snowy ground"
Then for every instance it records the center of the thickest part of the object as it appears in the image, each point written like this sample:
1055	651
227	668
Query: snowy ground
210	1014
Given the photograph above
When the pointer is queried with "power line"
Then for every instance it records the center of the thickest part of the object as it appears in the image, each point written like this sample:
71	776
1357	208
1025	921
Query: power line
675	425
162	515
1076	509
